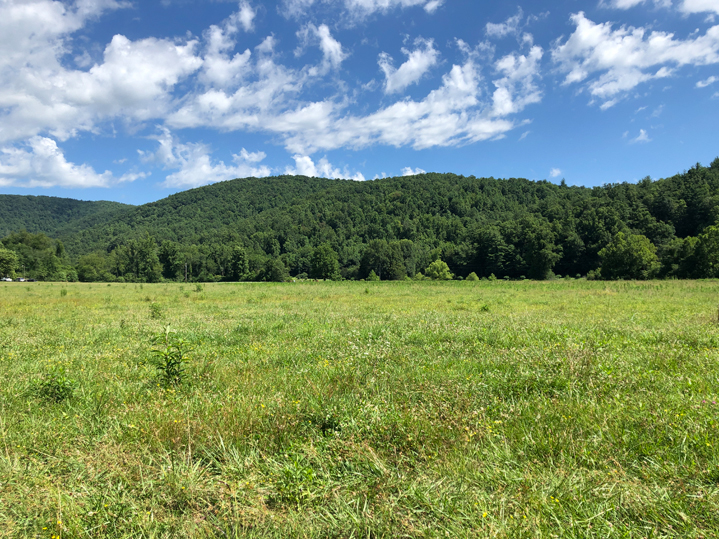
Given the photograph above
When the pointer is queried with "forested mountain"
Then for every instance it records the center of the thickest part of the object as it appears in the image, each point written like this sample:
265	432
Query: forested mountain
51	215
395	228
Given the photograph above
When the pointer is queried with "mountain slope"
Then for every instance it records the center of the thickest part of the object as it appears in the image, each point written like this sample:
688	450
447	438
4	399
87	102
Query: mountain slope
52	215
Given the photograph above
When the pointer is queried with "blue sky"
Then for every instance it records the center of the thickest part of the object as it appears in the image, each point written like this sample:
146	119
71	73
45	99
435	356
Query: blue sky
132	101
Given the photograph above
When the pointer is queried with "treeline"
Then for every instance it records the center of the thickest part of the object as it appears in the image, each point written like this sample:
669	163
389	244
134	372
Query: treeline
395	228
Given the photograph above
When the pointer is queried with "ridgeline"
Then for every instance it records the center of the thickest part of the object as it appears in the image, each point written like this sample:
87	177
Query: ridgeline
393	228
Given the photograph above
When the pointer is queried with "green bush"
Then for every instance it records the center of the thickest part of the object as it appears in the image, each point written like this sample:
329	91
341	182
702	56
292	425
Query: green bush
438	271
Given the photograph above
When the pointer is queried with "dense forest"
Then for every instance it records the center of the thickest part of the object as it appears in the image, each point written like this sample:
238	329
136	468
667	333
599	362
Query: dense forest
52	215
436	225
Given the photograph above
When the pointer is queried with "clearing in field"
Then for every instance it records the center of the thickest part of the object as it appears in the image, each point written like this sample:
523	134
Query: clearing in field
491	409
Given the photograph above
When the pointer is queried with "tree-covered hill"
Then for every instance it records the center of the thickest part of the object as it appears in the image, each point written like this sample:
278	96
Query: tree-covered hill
396	227
51	215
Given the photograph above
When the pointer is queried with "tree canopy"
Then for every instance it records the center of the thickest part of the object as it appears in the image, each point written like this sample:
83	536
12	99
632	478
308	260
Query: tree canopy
250	229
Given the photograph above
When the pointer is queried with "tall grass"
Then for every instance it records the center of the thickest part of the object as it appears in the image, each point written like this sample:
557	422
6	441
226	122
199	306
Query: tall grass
502	409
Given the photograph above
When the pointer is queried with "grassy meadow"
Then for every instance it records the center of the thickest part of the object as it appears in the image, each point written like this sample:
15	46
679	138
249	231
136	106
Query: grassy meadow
366	410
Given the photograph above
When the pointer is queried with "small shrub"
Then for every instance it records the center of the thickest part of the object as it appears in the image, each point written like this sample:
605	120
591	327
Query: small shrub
54	386
170	357
492	277
438	271
372	276
63	292
156	311
484	308
472	277
199	287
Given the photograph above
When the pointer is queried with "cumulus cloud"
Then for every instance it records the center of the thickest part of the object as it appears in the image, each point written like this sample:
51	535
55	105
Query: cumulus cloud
517	88
40	163
704	83
555	172
642	137
359	8
207	83
450	115
699	6
246	16
611	62
508	27
305	166
409	171
194	166
219	68
332	53
133	81
419	61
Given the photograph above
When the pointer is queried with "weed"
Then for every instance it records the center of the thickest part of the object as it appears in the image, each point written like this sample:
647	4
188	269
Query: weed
63	292
156	311
170	357
54	386
199	287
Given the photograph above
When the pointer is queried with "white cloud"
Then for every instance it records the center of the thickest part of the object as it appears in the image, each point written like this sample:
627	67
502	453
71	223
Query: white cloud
704	83
699	6
433	5
642	137
508	27
40	163
408	171
524	135
555	172
133	82
449	115
359	9
332	53
628	4
419	61
613	62
246	16
305	166
205	83
517	88
367	7
194	164
218	68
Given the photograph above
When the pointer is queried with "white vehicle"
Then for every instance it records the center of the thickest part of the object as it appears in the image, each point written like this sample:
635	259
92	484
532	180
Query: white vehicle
7	279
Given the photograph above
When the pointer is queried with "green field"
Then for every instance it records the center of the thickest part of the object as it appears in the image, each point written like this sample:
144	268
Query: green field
490	409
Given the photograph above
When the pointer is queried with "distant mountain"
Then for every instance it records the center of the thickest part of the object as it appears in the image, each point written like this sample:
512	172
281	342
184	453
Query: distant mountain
198	214
392	226
52	215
